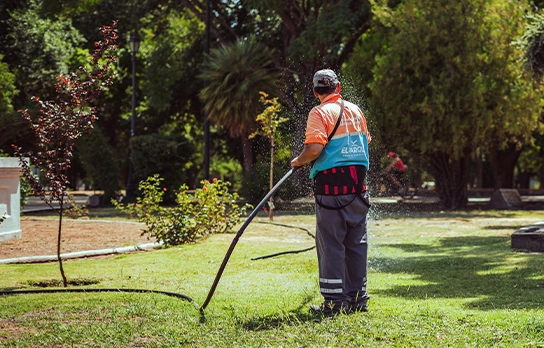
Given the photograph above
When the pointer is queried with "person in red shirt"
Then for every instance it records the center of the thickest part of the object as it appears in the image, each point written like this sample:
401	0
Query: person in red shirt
395	170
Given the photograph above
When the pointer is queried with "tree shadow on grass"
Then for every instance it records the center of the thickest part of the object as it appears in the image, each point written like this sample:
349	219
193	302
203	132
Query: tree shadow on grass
294	317
268	322
482	268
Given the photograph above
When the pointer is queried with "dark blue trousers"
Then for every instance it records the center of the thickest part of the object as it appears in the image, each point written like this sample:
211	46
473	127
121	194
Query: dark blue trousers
342	247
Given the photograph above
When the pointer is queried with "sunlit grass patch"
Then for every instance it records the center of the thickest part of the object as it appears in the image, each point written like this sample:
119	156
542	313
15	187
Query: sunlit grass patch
438	280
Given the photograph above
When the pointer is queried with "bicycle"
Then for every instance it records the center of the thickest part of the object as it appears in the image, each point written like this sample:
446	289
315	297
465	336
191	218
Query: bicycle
384	187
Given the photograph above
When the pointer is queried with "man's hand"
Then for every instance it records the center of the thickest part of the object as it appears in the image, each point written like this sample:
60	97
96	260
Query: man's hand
308	154
295	163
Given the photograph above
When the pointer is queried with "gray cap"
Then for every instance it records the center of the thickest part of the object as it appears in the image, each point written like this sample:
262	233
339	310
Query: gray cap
325	78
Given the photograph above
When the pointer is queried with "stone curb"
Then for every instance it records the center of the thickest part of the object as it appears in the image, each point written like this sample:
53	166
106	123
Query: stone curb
79	254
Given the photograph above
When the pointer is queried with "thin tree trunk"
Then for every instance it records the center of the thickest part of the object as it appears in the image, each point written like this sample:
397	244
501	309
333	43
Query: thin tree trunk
247	150
271	201
64	280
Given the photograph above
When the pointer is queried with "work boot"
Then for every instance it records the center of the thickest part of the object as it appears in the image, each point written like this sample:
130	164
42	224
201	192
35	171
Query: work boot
359	303
330	309
360	306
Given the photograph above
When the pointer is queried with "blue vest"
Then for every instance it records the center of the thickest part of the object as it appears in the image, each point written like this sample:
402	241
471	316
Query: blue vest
343	150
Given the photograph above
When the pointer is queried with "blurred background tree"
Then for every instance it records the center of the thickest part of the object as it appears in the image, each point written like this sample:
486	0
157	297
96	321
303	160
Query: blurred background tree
440	83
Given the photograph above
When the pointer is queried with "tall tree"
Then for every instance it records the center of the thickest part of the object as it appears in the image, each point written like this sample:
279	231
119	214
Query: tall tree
532	45
61	123
510	93
235	75
37	50
448	84
308	35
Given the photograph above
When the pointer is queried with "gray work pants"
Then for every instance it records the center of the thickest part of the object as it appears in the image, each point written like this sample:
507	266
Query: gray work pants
342	247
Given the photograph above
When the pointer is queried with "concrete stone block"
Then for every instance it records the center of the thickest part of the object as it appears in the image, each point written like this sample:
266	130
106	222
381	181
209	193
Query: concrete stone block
10	193
529	237
505	199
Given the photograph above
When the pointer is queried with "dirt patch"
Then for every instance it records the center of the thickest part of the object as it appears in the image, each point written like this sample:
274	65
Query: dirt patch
39	237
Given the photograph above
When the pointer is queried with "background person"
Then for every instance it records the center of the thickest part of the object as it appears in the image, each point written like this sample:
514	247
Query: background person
395	170
342	201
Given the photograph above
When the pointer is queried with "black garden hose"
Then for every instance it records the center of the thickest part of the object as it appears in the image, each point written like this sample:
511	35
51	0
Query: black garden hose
41	291
173	294
286	252
239	234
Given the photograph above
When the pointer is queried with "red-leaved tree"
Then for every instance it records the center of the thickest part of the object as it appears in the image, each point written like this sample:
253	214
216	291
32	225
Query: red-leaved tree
61	122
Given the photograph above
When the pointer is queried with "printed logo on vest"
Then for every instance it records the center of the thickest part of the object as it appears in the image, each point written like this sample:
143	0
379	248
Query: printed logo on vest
354	149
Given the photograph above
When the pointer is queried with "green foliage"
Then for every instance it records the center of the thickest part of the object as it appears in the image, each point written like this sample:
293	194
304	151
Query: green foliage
166	155
165	52
440	93
7	89
44	49
532	45
270	119
235	74
449	82
99	162
532	159
210	209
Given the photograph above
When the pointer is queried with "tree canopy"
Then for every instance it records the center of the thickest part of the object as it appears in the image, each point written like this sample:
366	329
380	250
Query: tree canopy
449	83
442	79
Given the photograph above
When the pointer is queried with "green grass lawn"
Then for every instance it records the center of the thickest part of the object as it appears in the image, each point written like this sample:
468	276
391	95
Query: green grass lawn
435	280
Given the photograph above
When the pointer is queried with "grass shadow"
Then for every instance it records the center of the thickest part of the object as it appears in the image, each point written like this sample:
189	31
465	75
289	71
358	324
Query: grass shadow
292	318
480	269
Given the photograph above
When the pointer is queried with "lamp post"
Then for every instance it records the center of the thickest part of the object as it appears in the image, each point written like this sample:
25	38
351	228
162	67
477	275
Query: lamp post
206	120
134	43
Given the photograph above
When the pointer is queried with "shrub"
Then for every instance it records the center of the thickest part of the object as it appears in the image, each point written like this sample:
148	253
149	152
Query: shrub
166	155
25	190
210	209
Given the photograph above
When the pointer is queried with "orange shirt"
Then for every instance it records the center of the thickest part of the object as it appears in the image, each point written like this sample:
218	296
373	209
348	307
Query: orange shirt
323	118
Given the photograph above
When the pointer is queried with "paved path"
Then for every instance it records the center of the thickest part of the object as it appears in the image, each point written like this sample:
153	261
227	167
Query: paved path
35	204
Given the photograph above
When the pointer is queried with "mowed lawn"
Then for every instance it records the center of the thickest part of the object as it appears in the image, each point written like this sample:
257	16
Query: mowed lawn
435	280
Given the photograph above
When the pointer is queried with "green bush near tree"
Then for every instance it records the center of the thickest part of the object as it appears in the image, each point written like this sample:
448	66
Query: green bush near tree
166	155
208	210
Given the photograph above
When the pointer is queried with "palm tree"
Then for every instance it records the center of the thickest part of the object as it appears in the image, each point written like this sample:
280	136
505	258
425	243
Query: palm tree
235	74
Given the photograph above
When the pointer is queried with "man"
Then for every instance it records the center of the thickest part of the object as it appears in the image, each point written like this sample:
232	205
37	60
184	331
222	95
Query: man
341	160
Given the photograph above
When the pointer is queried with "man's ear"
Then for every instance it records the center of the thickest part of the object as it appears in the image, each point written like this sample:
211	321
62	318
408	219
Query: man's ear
338	88
316	95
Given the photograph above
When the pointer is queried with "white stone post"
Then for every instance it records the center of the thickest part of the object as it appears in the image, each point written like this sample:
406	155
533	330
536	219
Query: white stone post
10	193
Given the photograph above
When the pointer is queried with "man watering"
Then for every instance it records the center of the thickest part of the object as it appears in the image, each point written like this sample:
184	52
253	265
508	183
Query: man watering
337	140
